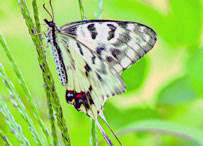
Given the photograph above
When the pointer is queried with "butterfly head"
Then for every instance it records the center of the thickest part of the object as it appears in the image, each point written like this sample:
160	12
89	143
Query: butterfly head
50	23
51	14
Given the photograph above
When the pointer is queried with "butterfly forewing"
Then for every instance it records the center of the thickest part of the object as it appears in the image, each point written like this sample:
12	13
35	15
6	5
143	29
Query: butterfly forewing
120	43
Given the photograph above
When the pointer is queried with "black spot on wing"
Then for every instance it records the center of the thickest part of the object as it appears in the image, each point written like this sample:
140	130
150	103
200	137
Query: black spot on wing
69	96
89	98
80	48
124	38
116	53
99	77
87	69
92	30
123	24
94	35
71	30
93	59
99	50
112	31
80	98
90	88
109	59
91	27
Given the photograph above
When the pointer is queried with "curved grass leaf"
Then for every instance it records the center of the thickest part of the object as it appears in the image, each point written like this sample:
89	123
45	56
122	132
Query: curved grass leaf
165	127
120	118
177	92
195	71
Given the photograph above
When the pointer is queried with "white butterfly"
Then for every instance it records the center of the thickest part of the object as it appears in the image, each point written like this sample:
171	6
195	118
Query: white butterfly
90	56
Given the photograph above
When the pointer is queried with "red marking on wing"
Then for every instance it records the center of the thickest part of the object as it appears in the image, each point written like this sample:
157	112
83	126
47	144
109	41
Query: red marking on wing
79	95
69	91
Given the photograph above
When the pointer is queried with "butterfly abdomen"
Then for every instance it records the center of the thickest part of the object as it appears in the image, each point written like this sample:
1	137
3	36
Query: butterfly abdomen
60	67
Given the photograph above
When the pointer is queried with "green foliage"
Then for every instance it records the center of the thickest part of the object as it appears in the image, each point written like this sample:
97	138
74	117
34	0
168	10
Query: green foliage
195	71
4	138
163	102
177	92
187	22
165	127
135	75
15	127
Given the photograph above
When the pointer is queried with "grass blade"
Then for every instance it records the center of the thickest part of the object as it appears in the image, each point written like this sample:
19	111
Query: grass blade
166	127
93	134
93	141
15	127
20	105
52	96
4	138
82	13
98	13
23	84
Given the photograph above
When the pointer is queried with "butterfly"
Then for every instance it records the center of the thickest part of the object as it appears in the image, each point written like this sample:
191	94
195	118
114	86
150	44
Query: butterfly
90	56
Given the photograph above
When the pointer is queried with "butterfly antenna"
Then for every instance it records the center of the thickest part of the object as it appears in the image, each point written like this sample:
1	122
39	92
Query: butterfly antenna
103	133
48	12
103	117
52	10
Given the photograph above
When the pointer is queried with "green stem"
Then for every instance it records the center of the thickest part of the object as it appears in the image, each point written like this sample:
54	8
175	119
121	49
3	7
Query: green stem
93	128
20	105
51	94
93	133
5	139
82	13
98	13
15	127
23	84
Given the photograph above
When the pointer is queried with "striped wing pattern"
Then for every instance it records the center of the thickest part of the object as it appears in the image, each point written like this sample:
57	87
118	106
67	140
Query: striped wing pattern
88	85
92	55
120	43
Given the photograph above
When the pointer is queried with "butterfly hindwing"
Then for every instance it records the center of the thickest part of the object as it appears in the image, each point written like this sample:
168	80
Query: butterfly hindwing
88	84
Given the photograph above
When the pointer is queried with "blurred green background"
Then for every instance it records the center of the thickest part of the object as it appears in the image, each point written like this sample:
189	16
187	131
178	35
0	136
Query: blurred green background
164	89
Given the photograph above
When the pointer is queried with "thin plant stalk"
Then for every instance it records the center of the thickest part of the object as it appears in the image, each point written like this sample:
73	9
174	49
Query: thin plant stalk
93	134
24	86
93	125
82	13
15	127
4	137
20	105
52	97
98	13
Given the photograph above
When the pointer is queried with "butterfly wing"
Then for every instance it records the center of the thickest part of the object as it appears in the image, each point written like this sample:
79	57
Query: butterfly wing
91	56
88	84
120	43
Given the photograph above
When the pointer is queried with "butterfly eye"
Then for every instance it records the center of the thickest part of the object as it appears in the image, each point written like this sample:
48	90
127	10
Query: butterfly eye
52	24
